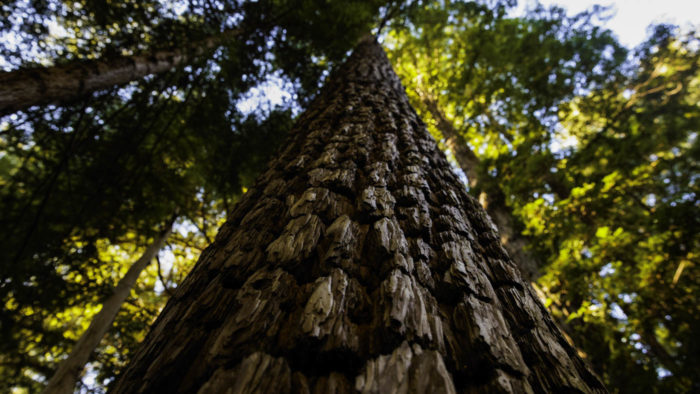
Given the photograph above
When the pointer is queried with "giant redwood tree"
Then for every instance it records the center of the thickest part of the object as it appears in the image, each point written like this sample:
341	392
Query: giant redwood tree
358	262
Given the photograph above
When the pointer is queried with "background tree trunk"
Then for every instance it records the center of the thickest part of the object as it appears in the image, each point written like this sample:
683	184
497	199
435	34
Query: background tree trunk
358	262
64	379
24	88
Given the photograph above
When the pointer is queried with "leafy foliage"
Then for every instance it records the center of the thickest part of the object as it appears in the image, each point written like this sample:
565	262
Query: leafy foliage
624	240
595	152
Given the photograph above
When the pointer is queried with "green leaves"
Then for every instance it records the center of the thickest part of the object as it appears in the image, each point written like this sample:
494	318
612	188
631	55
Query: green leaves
634	212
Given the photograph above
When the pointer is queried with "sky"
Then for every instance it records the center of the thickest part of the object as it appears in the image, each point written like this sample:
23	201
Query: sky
631	17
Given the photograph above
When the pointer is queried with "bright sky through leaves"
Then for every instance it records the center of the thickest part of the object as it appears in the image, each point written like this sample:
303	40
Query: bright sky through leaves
632	17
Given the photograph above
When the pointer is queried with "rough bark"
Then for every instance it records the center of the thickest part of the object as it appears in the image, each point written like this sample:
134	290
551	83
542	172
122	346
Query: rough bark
494	203
357	263
66	376
24	88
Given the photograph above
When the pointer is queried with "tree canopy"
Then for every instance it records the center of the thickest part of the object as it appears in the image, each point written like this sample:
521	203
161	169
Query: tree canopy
590	147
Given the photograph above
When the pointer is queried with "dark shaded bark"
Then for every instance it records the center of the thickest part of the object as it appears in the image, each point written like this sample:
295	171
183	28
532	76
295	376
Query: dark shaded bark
493	201
24	88
357	263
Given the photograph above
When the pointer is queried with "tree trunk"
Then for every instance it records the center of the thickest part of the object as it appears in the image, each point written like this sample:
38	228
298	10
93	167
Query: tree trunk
494	203
68	372
22	89
357	263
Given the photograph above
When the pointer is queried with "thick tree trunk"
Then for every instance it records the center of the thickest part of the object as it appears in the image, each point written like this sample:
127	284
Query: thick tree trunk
358	263
68	372
512	240
22	89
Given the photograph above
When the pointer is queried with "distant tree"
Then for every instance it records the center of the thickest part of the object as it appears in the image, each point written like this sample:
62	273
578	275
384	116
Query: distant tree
68	372
21	89
623	240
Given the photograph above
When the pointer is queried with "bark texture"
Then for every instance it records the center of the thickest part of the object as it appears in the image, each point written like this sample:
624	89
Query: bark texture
493	202
357	263
64	379
22	89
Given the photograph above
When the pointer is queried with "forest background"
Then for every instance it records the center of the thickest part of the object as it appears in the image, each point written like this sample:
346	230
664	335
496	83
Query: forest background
584	151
